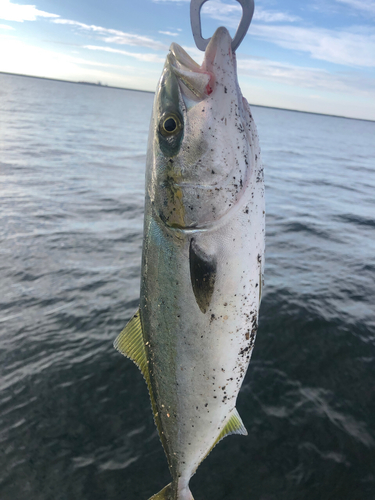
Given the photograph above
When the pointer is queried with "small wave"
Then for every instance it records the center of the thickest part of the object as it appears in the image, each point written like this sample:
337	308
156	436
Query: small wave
357	220
300	227
319	399
368	268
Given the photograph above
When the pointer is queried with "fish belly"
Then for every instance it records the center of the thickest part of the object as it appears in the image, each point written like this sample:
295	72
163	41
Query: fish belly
198	360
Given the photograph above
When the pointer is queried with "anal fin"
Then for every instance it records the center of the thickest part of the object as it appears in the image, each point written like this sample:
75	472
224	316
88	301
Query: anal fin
233	426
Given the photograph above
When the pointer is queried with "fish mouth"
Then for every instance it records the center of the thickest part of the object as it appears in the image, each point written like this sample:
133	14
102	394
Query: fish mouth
197	82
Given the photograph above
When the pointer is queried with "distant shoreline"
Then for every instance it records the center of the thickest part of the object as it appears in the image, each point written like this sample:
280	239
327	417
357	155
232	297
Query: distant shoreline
151	92
79	83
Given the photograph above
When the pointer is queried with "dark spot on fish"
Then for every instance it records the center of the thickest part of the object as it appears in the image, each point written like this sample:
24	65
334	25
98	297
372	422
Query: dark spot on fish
245	349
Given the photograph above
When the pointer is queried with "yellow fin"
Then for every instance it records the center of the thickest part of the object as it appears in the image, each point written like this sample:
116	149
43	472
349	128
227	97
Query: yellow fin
233	426
260	285
130	343
164	494
168	493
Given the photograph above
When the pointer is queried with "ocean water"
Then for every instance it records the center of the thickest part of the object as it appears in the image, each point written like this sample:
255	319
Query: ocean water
75	418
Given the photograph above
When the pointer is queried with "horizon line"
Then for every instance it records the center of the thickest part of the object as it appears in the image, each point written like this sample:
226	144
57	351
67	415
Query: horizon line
100	85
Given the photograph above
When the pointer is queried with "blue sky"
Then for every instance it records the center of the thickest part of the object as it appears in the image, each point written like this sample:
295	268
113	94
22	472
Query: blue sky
312	56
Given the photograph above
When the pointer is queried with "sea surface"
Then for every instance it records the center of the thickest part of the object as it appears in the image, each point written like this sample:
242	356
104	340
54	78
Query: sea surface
75	418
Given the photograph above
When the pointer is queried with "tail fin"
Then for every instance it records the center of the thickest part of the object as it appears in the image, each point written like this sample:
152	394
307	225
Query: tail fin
167	492
164	494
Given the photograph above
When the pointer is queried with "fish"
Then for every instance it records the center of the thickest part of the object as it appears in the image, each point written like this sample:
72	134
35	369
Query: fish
202	259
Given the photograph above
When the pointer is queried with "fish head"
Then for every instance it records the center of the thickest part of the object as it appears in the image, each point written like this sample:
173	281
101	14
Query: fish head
201	154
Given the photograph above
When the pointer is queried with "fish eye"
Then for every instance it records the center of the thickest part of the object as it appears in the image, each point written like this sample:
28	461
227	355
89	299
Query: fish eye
170	125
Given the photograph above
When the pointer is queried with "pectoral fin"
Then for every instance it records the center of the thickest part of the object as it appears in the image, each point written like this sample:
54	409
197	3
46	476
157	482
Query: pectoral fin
202	275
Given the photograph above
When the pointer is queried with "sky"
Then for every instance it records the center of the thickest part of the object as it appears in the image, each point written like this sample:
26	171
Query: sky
316	56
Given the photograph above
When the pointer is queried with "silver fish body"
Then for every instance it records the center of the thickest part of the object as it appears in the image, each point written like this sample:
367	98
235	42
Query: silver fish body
203	257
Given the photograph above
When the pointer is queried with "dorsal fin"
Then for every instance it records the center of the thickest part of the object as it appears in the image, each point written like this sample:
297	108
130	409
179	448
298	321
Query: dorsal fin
131	344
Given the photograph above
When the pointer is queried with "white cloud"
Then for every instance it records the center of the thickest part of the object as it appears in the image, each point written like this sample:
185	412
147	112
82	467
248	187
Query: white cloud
168	33
270	16
354	47
6	27
85	62
305	77
140	57
20	13
364	6
231	13
116	36
351	47
21	58
216	9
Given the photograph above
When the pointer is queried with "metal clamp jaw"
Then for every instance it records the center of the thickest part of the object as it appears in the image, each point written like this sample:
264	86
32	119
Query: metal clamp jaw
195	20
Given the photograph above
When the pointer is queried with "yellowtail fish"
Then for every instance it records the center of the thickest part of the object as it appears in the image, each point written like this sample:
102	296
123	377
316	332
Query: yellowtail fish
203	257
